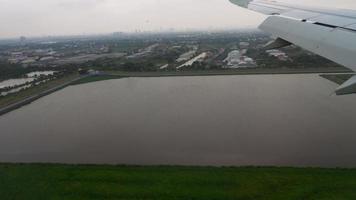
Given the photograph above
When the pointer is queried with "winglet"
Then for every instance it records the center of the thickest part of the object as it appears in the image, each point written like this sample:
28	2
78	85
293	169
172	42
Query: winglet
349	87
242	3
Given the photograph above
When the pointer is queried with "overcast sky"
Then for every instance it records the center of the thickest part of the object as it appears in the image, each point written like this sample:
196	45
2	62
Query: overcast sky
68	17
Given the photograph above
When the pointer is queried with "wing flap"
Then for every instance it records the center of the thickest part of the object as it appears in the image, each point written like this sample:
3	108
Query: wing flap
333	20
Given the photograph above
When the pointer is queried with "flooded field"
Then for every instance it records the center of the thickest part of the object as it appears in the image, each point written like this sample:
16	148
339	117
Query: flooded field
15	82
284	120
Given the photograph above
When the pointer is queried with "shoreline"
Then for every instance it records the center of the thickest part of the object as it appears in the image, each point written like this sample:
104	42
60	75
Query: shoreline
55	164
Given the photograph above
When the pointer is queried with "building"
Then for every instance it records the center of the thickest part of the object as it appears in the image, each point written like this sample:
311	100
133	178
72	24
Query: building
280	55
244	45
237	59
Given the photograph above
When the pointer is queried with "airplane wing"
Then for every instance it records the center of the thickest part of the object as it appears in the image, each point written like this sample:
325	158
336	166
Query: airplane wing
330	33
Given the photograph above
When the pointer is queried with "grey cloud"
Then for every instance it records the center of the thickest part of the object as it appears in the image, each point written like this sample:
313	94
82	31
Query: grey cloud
79	3
58	17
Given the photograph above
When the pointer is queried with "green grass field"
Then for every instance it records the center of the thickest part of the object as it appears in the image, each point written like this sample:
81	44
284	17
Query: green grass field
183	183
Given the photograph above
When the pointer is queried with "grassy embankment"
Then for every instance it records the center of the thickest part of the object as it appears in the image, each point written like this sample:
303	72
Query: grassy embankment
125	182
121	74
251	71
13	98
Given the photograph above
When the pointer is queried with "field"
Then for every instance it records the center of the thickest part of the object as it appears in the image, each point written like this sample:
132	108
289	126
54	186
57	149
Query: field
35	181
13	98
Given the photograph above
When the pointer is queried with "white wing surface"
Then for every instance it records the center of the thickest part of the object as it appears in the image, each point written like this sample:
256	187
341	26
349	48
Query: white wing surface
330	33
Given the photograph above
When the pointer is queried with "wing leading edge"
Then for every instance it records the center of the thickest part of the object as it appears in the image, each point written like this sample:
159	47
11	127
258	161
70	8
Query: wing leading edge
330	33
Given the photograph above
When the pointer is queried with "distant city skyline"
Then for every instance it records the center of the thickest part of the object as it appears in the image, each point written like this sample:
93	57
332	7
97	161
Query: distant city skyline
75	17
